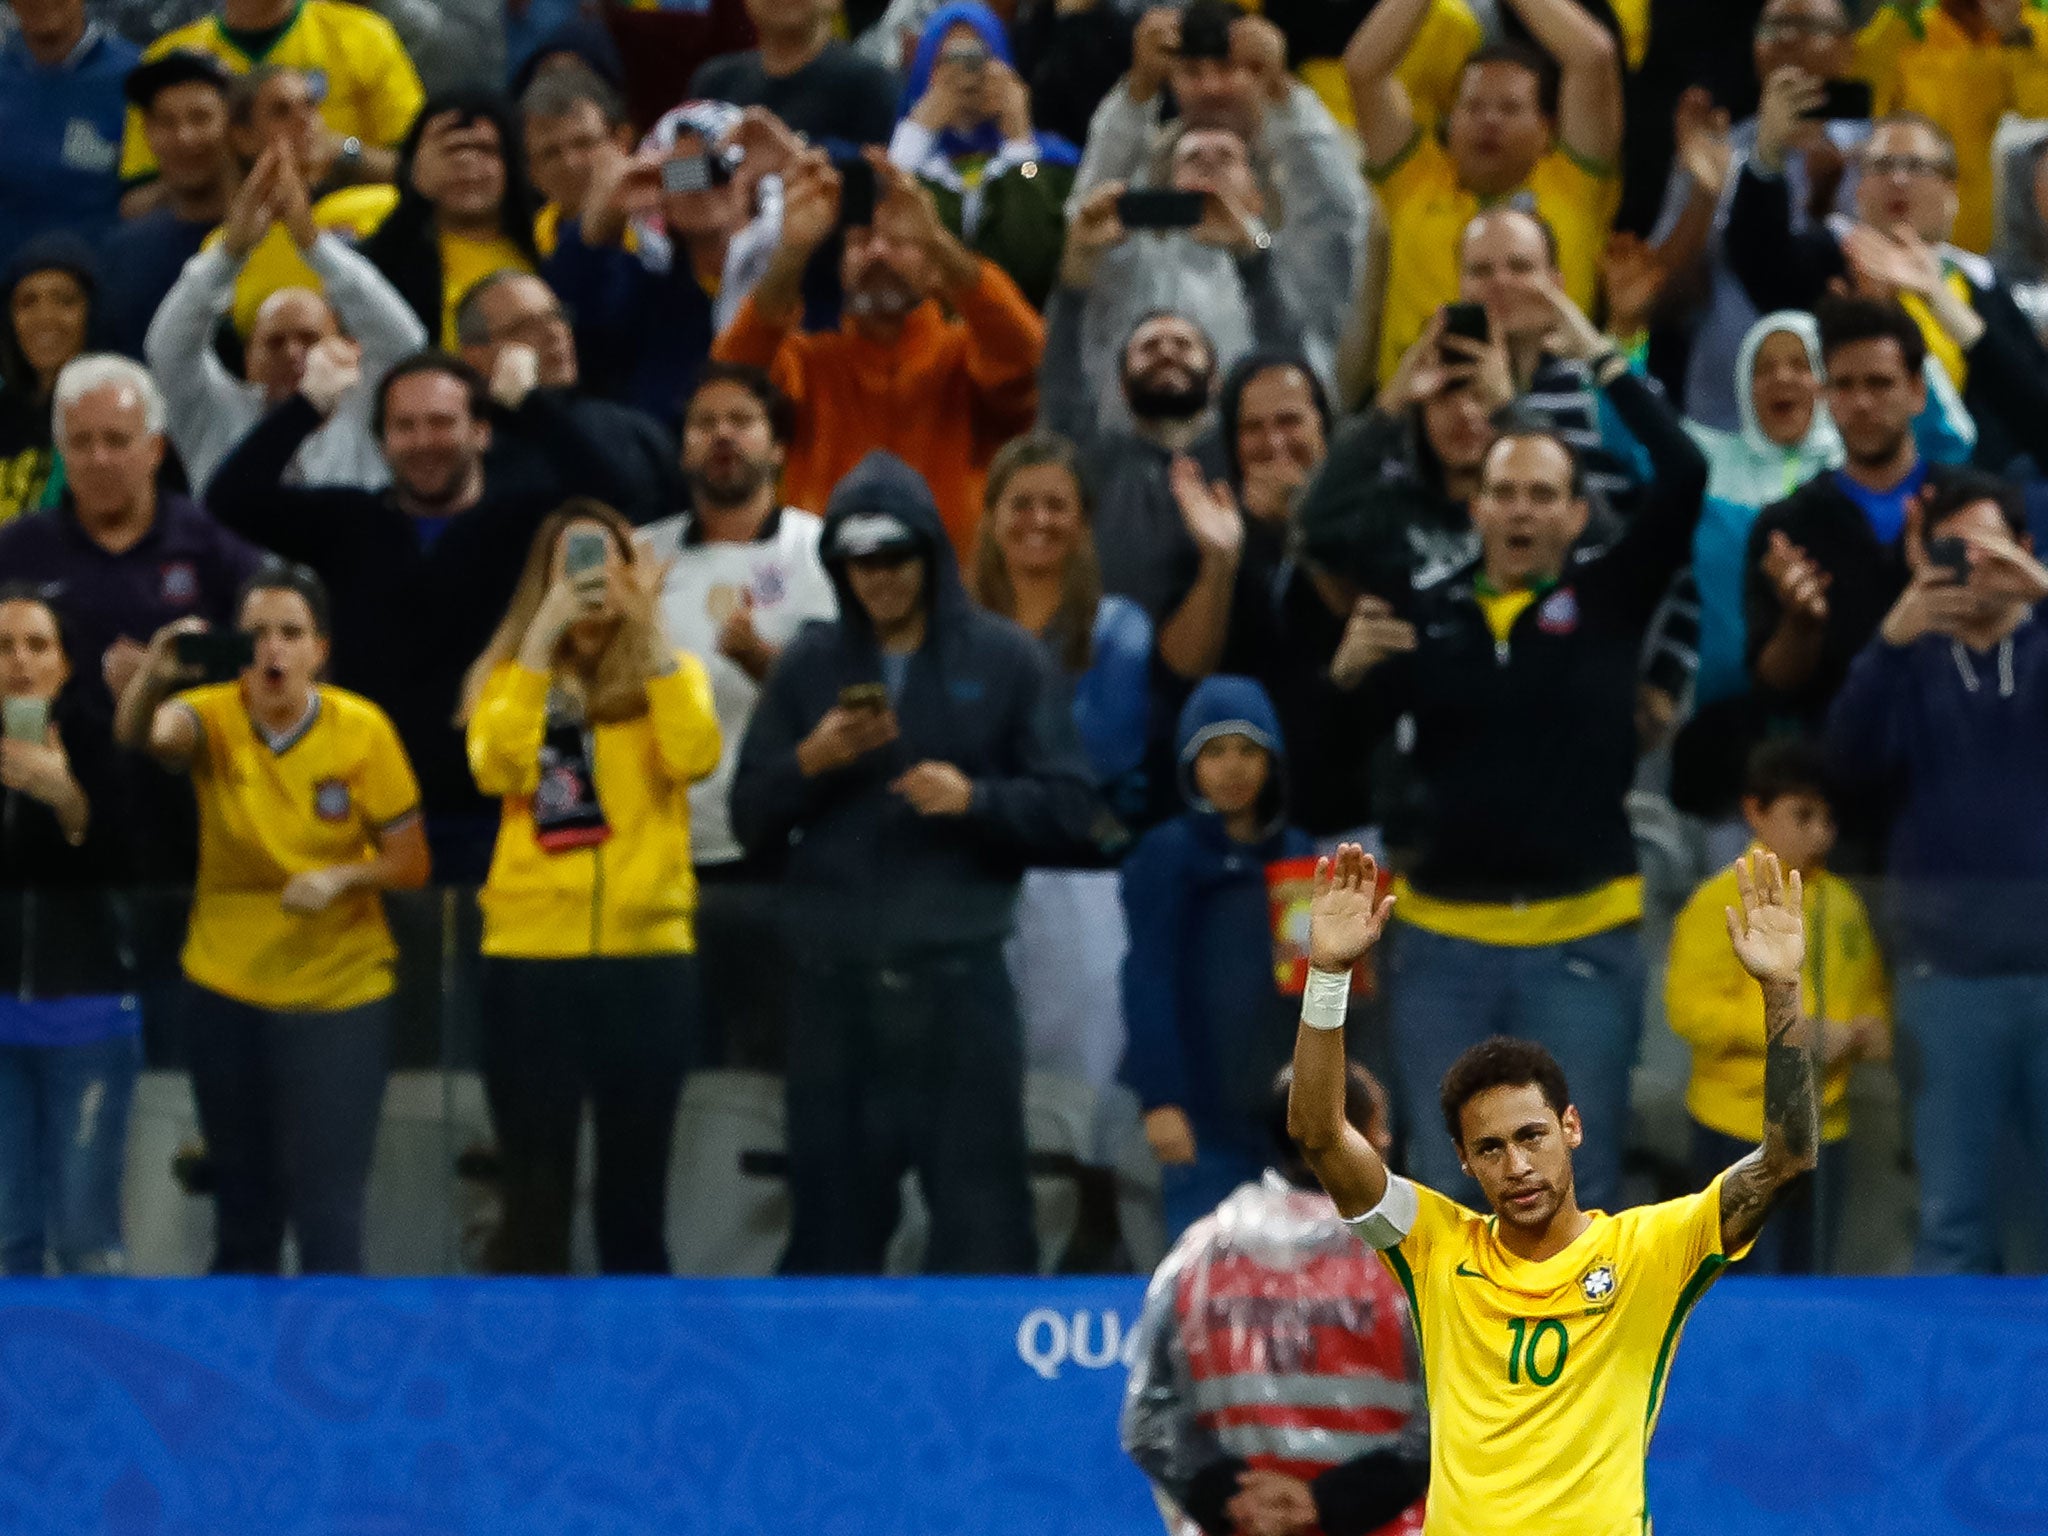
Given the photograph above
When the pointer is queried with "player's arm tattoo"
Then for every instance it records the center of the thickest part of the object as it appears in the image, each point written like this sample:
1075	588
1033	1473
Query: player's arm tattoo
1791	1142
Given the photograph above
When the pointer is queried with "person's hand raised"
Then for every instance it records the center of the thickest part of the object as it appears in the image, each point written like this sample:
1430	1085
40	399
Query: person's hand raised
1094	231
1153	46
1347	914
1207	510
1372	634
1781	121
1769	930
1704	148
1632	280
1799	582
251	211
810	202
334	366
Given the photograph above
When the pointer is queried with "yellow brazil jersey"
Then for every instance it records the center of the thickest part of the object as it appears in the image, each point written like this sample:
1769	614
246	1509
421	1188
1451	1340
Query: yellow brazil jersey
466	262
371	90
1544	1378
1430	71
1426	209
265	814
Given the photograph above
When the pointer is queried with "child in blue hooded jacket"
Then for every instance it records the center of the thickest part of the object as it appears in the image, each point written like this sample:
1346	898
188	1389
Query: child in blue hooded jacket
1208	1025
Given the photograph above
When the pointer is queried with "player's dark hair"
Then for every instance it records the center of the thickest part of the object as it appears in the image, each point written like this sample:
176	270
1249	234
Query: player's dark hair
1501	1062
1951	488
1520	56
1787	765
280	575
1845	320
1364	1106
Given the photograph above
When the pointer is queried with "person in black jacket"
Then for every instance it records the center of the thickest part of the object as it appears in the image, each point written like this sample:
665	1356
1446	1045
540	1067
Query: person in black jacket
70	1043
1520	906
421	570
1906	205
911	758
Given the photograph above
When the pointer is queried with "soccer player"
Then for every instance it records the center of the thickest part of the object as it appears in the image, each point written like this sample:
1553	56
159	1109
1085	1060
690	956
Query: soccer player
1547	1331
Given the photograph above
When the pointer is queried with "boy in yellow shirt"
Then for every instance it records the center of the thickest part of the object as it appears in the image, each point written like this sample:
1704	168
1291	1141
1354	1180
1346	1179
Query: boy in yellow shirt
1714	1007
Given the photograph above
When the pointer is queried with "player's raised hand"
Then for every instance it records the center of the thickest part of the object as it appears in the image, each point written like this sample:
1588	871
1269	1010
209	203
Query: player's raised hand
1769	933
1347	913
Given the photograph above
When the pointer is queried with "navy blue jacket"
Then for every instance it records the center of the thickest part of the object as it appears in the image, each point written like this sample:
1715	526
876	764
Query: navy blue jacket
867	875
1957	743
1207	1026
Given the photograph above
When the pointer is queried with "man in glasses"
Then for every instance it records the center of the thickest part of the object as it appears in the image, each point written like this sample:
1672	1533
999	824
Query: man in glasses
1900	247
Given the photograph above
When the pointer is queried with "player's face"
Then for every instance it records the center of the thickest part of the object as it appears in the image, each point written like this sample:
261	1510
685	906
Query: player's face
1520	1151
290	650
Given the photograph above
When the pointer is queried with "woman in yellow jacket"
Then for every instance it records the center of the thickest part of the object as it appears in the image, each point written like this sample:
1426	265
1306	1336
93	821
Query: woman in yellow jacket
591	728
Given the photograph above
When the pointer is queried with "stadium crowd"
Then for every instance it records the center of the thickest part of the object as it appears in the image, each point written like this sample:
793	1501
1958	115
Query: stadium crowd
882	556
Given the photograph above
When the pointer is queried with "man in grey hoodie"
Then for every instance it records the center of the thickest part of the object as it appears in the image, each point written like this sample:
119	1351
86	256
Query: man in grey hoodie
909	759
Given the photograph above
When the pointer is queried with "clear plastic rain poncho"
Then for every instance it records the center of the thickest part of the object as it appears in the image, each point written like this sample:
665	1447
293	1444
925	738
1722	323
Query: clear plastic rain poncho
1272	1336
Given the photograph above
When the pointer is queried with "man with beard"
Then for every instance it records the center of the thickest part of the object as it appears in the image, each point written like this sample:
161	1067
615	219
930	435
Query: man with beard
743	577
1168	540
421	570
512	308
899	376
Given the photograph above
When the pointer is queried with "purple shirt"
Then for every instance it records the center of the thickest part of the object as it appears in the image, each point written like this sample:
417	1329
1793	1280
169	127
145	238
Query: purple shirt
186	566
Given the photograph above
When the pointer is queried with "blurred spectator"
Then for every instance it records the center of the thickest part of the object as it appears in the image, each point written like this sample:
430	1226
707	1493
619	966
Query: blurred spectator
51	290
1508	134
1165	540
370	93
273	110
1942	714
420	570
589	726
515	309
60	118
209	410
1963	64
70	1043
1520	909
1507	259
1071	54
1821	567
1273	433
1220	69
899	375
1713	1007
551	34
1276	1385
1787	438
653	274
1906	200
573	120
1035	563
308	812
824	90
743	578
966	131
128	557
183	100
1808	43
911	758
1208	1025
464	210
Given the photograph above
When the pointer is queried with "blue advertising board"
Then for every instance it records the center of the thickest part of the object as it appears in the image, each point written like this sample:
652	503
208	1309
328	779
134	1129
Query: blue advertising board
899	1408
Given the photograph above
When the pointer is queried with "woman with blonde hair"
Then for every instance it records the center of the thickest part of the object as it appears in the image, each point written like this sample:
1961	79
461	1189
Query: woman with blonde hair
591	728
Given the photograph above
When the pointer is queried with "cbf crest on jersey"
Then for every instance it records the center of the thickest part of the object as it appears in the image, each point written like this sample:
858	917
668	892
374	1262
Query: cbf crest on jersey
331	800
1597	1283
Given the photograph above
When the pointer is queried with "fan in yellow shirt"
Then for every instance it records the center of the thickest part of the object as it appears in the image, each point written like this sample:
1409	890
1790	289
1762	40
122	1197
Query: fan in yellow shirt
1547	1331
1503	138
369	89
1713	1007
308	811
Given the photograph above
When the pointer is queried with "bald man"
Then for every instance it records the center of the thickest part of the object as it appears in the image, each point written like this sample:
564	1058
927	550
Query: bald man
210	410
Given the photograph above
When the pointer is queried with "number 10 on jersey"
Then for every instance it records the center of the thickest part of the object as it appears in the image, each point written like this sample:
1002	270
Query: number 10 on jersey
1529	1345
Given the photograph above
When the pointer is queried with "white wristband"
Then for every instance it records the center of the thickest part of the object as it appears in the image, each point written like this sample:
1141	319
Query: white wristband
1325	998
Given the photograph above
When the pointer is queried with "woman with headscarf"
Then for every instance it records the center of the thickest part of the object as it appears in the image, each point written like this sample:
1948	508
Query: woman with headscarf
964	128
50	288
